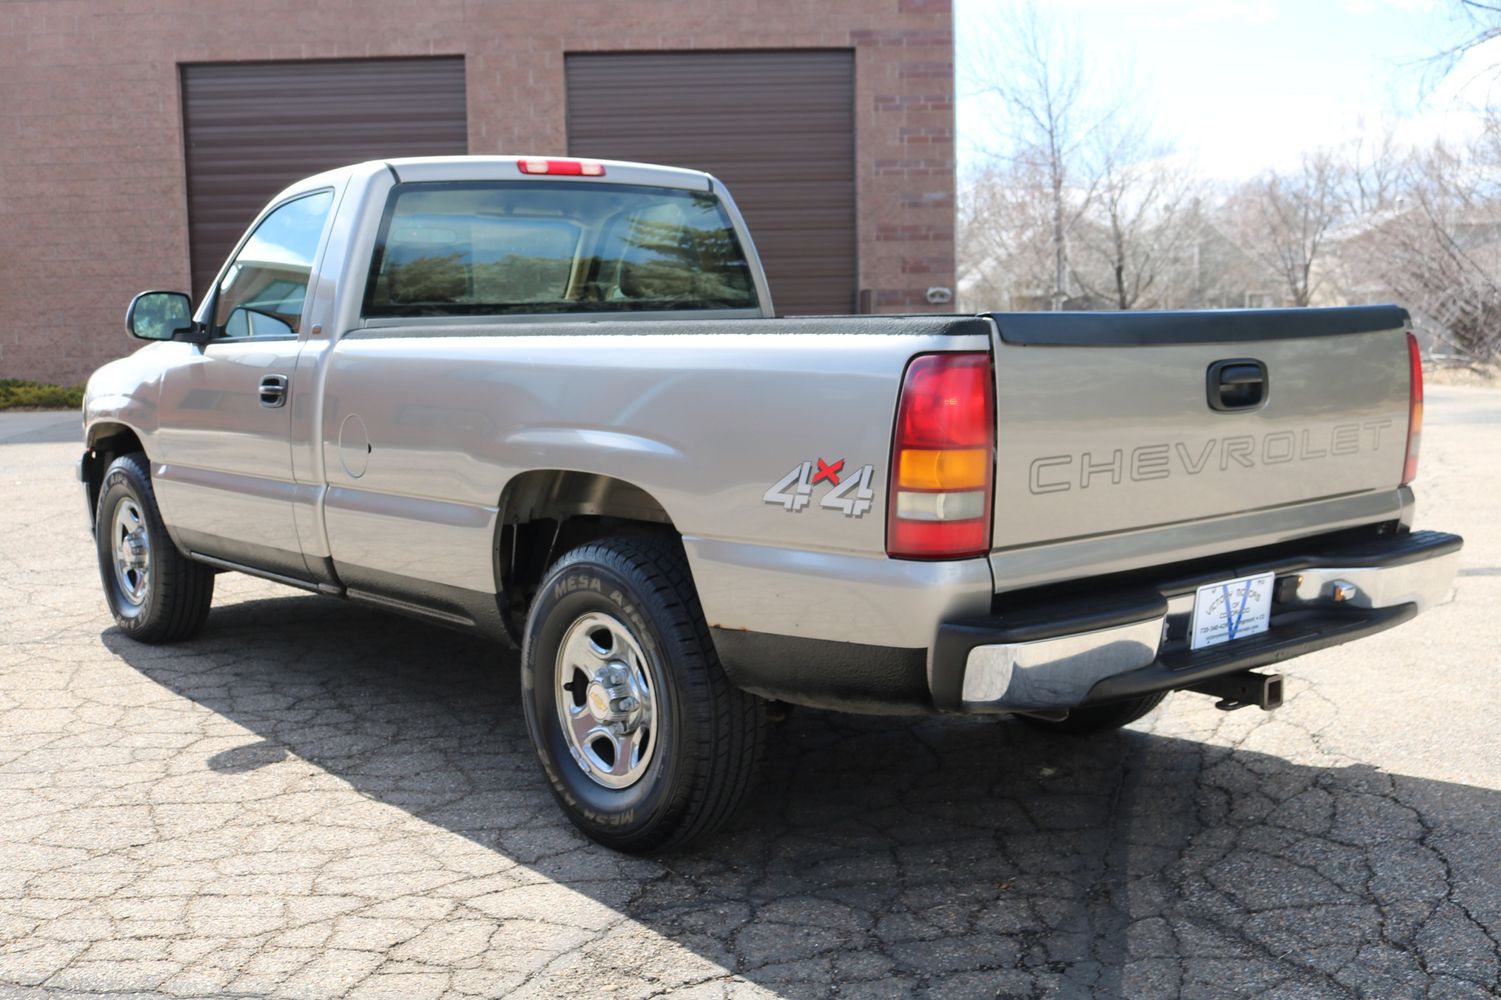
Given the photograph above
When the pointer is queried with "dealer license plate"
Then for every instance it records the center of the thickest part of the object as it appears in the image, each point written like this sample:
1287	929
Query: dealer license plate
1232	609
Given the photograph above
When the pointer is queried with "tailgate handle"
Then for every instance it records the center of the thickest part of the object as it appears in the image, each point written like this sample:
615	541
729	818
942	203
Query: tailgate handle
1236	384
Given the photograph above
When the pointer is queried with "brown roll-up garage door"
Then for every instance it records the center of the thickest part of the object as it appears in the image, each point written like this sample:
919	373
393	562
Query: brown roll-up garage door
250	129
777	127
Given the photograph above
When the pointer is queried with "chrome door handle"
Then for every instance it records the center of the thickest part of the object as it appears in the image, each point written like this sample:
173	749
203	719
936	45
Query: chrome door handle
273	391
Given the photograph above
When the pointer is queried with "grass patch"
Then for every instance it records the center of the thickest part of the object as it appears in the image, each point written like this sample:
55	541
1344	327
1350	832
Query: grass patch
19	394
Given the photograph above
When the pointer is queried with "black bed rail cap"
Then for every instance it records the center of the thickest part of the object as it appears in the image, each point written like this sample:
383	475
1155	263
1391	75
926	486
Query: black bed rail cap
1207	326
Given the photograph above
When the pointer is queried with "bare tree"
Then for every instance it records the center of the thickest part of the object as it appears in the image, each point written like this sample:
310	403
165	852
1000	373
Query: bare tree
1374	168
1441	253
1138	226
1285	220
1482	23
1005	238
1079	197
1042	84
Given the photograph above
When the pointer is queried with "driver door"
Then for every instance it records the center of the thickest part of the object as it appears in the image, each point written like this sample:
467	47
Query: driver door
224	457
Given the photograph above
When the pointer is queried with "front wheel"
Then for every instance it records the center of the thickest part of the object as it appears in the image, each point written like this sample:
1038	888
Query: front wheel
643	739
156	593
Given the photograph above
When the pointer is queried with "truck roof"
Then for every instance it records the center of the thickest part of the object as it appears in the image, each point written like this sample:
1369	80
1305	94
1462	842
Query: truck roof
481	168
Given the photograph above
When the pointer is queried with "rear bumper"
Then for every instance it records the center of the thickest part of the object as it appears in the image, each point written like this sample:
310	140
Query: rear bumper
1109	646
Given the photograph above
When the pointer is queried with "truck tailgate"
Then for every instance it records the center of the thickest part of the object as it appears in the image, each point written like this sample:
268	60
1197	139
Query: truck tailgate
1107	422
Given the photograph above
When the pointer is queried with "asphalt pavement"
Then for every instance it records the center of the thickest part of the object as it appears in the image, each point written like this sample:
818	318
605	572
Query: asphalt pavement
316	800
40	426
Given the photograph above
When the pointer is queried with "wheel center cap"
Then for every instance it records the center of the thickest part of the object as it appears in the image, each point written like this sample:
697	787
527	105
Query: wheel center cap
133	551
598	700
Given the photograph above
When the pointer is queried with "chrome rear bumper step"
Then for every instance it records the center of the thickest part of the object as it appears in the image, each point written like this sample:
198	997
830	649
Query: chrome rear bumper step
1124	645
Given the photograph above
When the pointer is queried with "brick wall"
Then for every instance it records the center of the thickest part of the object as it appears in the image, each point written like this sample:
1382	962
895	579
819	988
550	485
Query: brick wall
92	190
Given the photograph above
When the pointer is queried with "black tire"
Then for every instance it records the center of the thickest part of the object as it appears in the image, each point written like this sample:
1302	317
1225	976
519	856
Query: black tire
1098	718
166	598
706	736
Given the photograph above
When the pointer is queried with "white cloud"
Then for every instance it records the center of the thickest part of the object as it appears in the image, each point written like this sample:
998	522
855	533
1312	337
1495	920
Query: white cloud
1406	6
1247	85
1178	13
1223	12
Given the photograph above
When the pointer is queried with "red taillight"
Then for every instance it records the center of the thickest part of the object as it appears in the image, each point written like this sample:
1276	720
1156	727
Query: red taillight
1414	410
943	459
567	168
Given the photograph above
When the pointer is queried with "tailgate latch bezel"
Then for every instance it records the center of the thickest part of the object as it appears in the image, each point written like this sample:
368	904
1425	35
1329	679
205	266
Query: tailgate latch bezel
1235	385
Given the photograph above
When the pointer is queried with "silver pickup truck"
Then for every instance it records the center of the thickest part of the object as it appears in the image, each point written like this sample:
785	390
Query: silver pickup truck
548	400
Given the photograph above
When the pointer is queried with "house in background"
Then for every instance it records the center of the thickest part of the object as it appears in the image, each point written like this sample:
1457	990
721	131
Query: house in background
1213	271
142	138
1440	260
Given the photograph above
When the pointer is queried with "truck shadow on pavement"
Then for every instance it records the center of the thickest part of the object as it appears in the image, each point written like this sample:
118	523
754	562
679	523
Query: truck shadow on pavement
891	857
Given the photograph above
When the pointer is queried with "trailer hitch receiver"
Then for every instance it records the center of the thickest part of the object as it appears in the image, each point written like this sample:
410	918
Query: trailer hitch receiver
1242	690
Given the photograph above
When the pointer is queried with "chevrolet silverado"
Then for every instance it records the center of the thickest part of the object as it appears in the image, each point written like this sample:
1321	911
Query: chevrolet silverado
549	400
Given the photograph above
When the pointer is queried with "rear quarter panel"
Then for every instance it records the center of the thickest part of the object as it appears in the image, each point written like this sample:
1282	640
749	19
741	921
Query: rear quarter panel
423	428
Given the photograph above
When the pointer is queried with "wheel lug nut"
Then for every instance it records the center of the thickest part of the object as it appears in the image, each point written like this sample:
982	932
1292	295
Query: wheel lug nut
626	704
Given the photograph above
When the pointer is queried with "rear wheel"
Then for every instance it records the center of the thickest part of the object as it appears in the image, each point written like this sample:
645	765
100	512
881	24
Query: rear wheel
644	741
1098	718
156	594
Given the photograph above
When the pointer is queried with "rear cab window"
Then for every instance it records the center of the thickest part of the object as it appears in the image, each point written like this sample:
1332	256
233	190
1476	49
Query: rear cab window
519	247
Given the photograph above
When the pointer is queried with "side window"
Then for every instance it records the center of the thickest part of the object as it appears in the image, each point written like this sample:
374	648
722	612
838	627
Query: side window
263	290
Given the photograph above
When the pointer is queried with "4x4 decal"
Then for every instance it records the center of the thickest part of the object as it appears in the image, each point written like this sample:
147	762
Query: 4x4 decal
851	495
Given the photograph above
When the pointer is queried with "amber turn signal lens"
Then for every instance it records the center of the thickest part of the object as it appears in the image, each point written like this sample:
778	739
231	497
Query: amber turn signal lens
946	469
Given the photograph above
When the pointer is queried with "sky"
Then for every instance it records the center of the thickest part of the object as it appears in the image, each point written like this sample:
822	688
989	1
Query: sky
1241	86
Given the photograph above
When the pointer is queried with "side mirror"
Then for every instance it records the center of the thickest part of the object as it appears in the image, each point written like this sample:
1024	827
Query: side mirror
159	315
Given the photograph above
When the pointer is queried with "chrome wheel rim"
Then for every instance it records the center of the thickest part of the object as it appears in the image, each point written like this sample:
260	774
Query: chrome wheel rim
607	704
131	548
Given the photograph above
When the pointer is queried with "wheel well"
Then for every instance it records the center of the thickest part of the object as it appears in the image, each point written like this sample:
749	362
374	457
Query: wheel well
546	512
107	442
